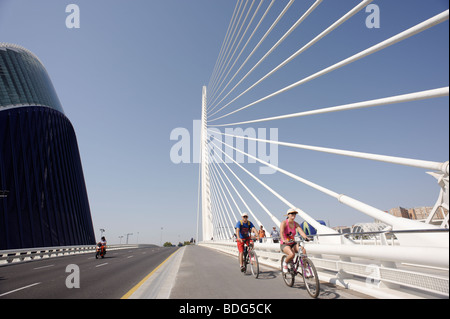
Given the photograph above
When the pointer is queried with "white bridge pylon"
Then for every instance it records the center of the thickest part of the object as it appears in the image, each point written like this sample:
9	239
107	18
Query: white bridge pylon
222	204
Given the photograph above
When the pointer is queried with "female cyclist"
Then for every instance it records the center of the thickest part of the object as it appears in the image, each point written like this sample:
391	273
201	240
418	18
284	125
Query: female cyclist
288	229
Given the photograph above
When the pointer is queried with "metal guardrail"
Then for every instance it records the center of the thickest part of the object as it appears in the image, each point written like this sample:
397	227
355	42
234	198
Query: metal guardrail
29	254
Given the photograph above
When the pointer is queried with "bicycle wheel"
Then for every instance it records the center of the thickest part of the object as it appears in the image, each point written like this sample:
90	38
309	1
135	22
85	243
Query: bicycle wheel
310	278
288	277
245	261
254	265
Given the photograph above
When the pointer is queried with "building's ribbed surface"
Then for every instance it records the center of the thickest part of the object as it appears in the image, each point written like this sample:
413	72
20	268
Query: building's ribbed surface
46	202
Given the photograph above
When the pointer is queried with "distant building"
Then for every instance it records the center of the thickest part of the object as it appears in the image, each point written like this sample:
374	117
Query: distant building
43	197
399	212
417	213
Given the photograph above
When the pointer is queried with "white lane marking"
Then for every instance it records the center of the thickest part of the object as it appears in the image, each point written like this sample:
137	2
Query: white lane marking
129	257
43	267
10	292
101	265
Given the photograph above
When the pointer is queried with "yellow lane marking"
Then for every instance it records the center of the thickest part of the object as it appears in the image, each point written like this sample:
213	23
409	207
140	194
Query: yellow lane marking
129	293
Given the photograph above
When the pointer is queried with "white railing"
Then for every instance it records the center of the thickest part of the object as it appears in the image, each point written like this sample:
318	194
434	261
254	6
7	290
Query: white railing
29	254
382	270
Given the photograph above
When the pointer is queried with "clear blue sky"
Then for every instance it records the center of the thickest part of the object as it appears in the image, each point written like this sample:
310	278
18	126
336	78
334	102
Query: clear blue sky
134	71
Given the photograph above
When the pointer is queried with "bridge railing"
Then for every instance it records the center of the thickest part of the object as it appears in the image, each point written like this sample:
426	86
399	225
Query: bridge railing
29	254
382	270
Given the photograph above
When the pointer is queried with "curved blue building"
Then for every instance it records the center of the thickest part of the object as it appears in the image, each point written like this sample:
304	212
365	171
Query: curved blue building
43	197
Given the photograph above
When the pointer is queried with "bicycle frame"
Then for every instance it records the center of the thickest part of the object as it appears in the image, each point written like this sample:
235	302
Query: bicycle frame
250	258
304	267
299	261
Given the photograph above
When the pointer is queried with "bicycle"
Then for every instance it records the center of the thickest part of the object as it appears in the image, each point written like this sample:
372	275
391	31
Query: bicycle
250	258
304	267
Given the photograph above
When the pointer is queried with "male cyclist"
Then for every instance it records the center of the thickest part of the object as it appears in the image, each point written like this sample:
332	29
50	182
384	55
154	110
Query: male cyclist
244	229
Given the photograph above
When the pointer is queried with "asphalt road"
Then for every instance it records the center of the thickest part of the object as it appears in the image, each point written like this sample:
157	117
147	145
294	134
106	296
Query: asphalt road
208	274
201	273
107	278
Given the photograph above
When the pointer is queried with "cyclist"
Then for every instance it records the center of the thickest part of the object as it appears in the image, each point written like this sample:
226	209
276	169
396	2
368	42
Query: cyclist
288	229
244	229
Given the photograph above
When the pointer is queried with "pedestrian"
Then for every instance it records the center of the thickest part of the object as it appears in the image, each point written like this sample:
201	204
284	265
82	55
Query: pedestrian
262	233
275	235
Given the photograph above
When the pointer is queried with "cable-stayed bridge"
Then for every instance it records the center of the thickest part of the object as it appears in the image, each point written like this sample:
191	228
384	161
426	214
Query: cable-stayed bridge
278	66
336	108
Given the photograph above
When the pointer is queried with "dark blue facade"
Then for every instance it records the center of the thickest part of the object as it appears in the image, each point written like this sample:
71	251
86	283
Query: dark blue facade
46	202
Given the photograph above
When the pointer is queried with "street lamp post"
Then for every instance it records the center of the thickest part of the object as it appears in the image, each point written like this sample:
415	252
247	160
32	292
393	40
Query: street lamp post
128	235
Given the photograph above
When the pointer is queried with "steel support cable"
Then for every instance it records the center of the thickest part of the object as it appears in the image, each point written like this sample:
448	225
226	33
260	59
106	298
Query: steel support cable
262	39
300	179
380	46
237	46
215	185
226	199
235	25
219	211
257	46
229	58
230	224
213	211
238	193
265	35
234	188
303	214
344	199
234	219
324	33
216	209
258	222
223	227
214	218
276	221
228	191
250	192
221	208
198	200
416	96
223	43
216	225
437	166
230	47
291	29
226	44
284	200
251	36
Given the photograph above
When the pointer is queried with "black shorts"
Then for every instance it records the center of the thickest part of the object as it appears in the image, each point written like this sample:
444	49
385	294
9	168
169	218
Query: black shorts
283	246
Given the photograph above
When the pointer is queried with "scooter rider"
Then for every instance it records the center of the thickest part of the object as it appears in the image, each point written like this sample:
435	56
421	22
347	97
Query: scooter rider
102	244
